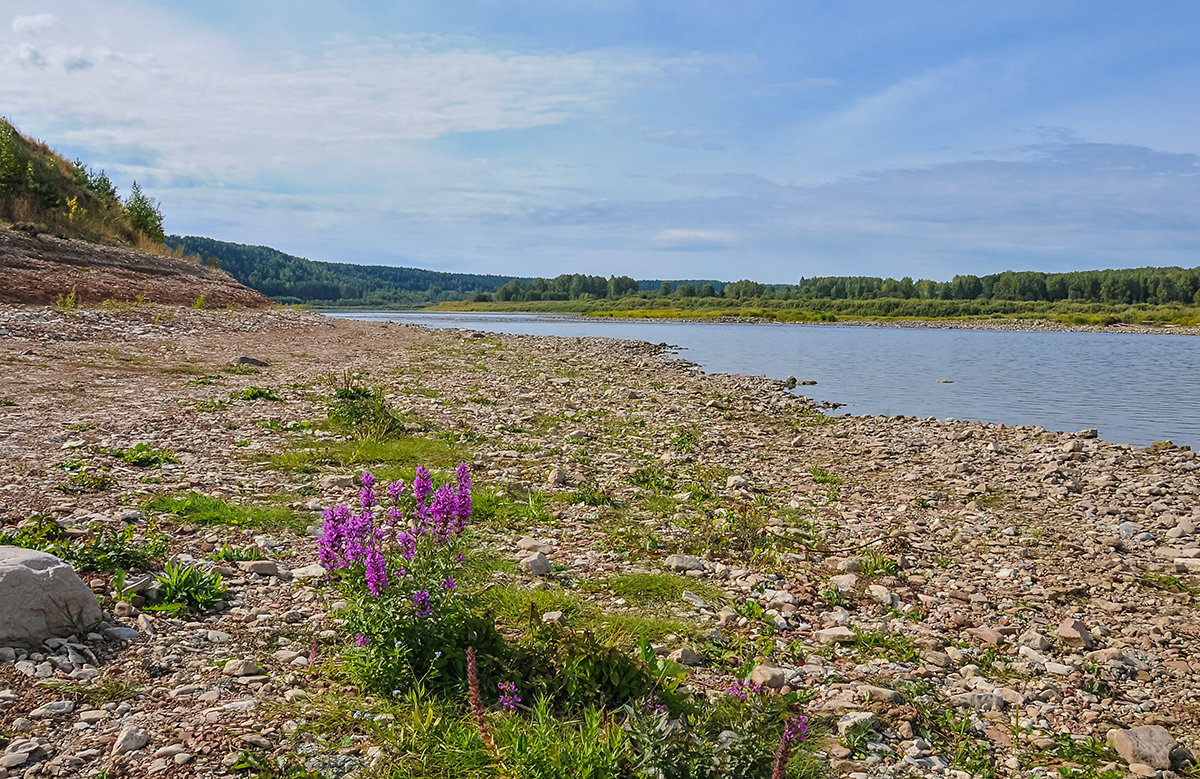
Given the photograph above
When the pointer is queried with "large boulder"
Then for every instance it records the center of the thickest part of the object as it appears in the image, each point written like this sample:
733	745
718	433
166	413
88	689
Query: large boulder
42	597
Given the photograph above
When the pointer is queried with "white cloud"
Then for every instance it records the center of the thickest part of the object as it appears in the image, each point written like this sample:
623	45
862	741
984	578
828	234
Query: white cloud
686	239
31	25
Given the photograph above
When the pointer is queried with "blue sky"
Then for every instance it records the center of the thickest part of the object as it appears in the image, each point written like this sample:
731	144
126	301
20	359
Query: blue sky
689	139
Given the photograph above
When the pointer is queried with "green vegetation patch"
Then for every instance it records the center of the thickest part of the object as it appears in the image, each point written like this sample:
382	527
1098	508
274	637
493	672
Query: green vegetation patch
101	550
211	511
660	588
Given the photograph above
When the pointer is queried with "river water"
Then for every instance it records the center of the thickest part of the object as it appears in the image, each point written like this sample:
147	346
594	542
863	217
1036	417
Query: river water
1133	388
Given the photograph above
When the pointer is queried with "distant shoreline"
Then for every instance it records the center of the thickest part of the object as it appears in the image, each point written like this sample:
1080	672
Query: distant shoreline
1013	325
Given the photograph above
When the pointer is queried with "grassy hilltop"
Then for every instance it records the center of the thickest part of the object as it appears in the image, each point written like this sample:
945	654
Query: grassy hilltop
42	191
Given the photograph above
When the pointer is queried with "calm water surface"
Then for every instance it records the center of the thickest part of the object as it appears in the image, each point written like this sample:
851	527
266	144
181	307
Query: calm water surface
1133	388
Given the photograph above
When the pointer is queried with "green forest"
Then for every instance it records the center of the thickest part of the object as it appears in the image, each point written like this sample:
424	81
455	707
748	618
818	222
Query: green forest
289	279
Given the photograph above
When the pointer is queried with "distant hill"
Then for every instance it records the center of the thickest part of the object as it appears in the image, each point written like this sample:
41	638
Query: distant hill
290	279
41	191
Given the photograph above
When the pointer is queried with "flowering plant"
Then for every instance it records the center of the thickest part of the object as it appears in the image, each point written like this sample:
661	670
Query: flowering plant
396	558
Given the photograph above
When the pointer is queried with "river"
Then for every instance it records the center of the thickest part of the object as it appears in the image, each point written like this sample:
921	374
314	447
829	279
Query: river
1133	388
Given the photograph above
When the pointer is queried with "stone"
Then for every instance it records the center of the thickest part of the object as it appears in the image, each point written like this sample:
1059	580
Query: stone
685	656
1034	640
882	595
835	635
536	565
1148	744
736	482
694	599
557	477
244	667
554	618
682	562
332	482
1074	633
260	567
858	721
768	676
42	597
311	571
53	709
844	582
130	739
122	634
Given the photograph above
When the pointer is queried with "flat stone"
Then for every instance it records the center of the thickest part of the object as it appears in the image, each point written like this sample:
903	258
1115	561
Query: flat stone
1148	744
244	667
54	709
536	565
1074	633
682	562
835	635
310	571
769	676
685	656
130	739
260	567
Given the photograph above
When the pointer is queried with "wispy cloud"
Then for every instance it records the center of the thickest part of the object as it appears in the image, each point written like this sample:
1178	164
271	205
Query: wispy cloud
37	23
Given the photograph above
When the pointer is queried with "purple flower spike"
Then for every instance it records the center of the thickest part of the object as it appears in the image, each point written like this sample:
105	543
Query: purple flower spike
449	584
395	490
361	640
422	600
509	696
376	571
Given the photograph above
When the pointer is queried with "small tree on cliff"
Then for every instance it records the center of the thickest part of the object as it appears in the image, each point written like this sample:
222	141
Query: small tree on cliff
143	214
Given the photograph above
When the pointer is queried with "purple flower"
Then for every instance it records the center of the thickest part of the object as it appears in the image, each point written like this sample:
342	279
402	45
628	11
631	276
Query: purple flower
407	543
796	728
422	484
395	490
423	601
448	584
740	689
509	697
361	640
367	479
376	571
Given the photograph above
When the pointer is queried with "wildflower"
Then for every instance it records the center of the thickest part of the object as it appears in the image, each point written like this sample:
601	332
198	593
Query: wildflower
361	640
509	698
448	583
793	730
740	689
395	490
422	600
395	692
376	571
437	655
477	702
408	545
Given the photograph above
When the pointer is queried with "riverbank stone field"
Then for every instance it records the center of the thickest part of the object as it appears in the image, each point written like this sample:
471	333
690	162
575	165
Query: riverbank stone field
938	598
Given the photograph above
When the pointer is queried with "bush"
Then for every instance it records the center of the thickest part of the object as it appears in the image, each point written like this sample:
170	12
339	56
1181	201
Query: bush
144	214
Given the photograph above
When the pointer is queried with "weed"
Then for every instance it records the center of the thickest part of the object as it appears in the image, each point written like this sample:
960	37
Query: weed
201	381
212	406
86	480
590	494
686	441
258	766
235	554
98	693
895	646
101	550
823	476
67	303
875	563
144	455
198	303
187	589
257	393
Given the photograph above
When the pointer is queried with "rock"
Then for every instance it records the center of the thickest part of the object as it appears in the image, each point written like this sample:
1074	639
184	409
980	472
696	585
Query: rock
835	635
727	617
882	595
858	721
557	477
124	609
311	571
736	482
1034	640
42	597
236	667
682	562
122	634
1074	633
536	565
554	618
531	544
768	676
685	656
130	739
694	599
253	362
845	582
260	567
53	709
335	482
1149	744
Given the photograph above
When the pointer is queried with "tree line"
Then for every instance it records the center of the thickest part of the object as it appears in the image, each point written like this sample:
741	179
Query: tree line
1131	286
290	279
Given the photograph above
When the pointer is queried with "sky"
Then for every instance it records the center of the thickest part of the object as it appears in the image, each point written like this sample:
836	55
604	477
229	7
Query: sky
761	139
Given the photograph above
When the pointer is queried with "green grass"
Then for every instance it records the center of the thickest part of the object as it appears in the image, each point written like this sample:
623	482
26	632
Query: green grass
214	512
144	455
823	476
660	588
511	605
400	453
95	693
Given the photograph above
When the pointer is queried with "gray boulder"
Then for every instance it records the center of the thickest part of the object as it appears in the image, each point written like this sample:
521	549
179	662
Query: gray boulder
1149	744
42	597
